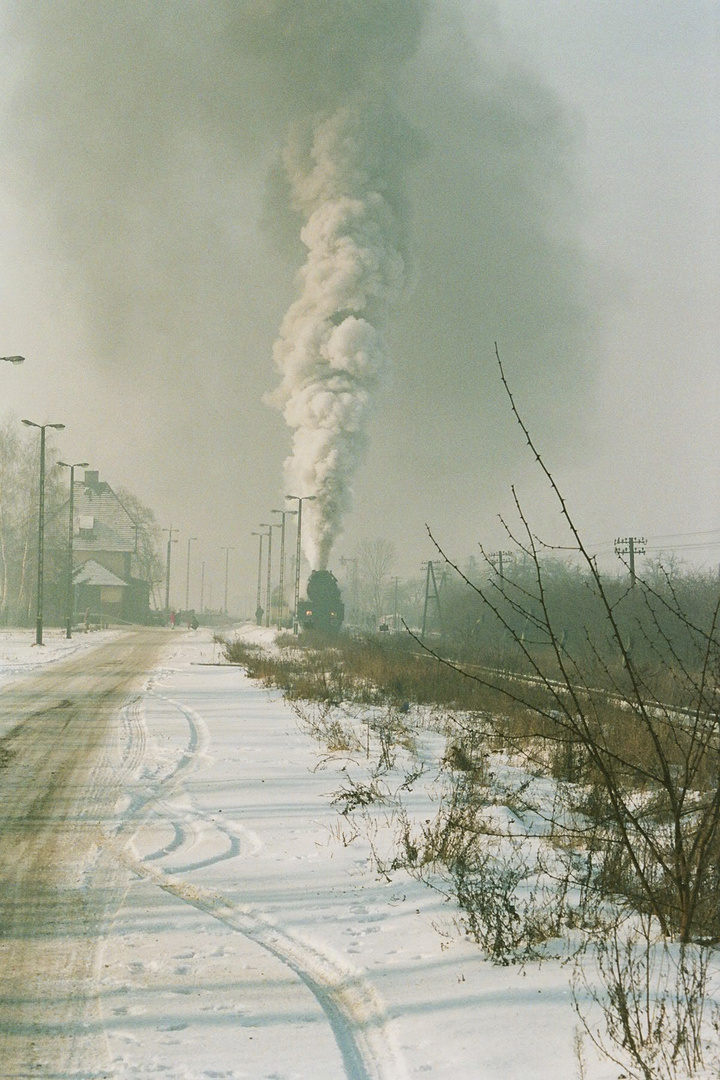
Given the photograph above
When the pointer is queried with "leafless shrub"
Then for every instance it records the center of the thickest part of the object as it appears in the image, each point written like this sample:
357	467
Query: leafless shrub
513	897
653	1000
358	794
634	718
328	726
579	1053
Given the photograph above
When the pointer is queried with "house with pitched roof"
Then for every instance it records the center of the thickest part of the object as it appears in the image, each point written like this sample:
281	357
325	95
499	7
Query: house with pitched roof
105	537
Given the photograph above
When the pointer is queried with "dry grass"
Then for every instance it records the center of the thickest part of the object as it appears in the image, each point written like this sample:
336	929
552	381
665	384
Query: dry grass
637	772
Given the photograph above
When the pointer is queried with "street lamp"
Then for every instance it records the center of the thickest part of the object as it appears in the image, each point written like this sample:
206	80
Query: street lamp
70	603
41	526
16	360
284	513
300	500
258	605
227	551
187	575
269	525
171	540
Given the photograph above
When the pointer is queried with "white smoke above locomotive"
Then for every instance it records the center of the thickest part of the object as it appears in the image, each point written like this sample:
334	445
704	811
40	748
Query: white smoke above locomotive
345	170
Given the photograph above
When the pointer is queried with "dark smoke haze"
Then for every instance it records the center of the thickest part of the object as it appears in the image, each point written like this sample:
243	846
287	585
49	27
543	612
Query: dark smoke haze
164	158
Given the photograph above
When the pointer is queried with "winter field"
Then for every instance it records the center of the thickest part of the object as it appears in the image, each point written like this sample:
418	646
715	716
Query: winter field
248	933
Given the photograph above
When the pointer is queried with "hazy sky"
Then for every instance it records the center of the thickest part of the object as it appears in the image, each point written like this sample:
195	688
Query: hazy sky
553	175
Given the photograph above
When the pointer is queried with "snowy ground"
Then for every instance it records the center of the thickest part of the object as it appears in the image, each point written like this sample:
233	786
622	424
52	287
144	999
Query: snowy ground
250	941
20	654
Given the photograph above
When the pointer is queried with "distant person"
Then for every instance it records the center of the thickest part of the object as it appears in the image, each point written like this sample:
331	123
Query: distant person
172	620
259	612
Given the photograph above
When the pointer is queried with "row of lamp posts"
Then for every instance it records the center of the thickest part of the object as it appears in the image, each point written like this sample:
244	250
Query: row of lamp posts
69	583
267	613
41	536
172	539
259	612
300	499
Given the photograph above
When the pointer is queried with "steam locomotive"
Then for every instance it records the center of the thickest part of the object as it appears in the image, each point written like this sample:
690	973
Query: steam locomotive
323	610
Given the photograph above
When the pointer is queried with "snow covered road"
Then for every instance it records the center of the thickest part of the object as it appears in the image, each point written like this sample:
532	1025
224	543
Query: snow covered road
201	916
58	784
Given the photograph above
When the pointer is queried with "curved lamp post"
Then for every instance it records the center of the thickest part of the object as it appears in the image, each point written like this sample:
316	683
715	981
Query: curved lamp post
70	598
41	527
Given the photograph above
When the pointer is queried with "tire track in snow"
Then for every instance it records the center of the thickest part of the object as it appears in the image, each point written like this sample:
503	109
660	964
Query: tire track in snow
134	730
351	1005
178	841
187	832
146	792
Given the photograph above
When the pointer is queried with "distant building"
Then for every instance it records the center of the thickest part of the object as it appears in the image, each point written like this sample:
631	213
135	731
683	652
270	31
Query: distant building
104	543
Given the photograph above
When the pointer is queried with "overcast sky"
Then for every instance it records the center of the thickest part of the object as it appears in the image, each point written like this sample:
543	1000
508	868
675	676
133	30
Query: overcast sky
558	194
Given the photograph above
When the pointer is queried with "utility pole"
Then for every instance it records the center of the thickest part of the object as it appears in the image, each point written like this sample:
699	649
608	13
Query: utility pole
630	546
41	525
227	551
202	588
71	530
500	555
187	575
268	590
431	594
300	499
258	602
268	613
171	540
281	605
395	609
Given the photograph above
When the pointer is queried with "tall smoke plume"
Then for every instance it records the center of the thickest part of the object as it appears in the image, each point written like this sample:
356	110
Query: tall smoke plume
344	165
331	349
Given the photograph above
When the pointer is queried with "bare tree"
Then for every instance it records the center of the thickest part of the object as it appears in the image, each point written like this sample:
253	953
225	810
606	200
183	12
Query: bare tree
9	487
19	479
376	559
644	735
148	563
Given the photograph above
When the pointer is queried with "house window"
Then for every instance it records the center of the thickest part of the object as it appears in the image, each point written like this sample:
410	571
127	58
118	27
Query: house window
110	595
86	525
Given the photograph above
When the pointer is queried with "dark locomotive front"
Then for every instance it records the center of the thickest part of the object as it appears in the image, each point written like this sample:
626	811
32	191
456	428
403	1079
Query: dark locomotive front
323	610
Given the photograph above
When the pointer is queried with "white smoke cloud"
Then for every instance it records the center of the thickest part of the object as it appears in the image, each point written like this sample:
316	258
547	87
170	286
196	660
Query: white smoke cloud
331	350
143	144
